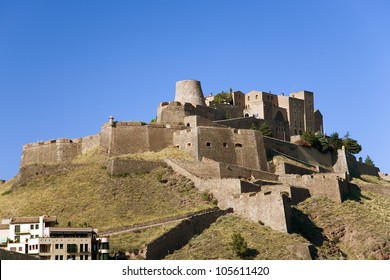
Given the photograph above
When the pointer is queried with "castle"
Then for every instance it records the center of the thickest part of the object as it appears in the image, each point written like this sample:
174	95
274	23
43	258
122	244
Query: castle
233	161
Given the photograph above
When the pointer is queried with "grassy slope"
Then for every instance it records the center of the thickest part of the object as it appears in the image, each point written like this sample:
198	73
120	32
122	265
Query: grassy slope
213	243
355	229
88	195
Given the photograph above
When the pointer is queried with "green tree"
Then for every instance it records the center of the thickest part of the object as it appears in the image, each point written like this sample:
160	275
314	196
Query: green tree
239	245
351	145
369	161
309	137
265	130
223	97
321	143
335	141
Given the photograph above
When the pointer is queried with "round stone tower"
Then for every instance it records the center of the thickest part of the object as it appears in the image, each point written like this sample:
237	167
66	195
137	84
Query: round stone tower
189	91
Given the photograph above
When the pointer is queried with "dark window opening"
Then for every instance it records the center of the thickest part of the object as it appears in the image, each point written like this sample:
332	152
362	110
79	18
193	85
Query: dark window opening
188	124
225	145
208	144
238	145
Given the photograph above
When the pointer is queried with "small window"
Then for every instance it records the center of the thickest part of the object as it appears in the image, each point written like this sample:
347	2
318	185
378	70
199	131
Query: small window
61	246
81	247
57	257
225	145
189	145
20	249
86	248
61	257
86	257
36	226
256	96
208	144
238	145
56	246
188	124
249	98
31	226
81	257
17	228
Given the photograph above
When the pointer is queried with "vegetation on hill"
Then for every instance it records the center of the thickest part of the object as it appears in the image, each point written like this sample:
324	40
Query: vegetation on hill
262	242
355	229
224	97
87	195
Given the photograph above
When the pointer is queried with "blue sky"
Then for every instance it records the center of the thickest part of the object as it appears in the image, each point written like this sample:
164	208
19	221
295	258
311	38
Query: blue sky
66	66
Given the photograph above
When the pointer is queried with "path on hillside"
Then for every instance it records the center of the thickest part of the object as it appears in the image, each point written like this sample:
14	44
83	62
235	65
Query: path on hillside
156	223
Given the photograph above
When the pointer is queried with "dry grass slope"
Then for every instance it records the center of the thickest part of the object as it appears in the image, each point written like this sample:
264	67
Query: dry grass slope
213	243
87	195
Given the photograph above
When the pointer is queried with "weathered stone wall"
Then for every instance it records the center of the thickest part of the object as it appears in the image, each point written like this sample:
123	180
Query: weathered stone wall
194	121
346	162
229	192
241	123
179	236
90	142
53	151
305	155
120	166
286	168
232	146
272	208
382	190
333	186
189	91
132	137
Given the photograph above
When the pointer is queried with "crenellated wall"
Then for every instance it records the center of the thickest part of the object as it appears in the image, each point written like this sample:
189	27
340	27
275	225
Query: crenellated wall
53	151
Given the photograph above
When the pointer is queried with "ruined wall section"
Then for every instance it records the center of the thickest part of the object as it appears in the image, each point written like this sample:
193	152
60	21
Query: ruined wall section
53	151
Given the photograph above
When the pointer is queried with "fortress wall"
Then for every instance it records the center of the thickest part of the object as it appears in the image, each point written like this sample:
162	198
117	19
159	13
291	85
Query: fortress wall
307	155
320	185
133	137
286	168
242	123
106	135
231	146
226	111
194	121
234	171
174	112
271	208
346	162
181	234
120	166
53	151
90	142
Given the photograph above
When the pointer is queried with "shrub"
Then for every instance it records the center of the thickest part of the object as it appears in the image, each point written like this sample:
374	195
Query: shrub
239	245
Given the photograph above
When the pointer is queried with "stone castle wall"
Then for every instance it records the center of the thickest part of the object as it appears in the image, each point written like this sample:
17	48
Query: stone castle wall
179	236
333	186
273	210
133	137
232	146
54	151
346	162
305	155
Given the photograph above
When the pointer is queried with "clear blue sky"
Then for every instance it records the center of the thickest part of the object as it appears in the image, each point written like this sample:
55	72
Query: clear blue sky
66	66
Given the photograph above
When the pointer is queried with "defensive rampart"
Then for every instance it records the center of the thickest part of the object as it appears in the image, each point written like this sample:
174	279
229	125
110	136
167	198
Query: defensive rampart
179	236
273	210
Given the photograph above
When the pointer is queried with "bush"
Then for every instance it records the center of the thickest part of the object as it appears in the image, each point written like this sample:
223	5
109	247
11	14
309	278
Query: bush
239	245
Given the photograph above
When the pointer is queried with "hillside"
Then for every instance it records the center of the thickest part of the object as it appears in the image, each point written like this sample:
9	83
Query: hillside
85	194
82	193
